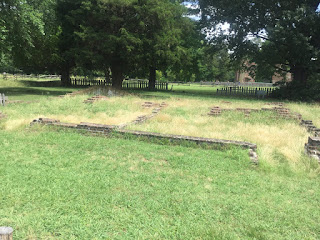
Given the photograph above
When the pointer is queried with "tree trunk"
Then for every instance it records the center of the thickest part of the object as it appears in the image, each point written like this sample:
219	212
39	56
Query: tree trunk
152	78
299	75
65	77
107	74
117	76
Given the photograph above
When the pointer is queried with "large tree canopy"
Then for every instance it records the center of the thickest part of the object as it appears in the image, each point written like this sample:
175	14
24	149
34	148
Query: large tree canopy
28	34
130	37
289	29
163	36
124	35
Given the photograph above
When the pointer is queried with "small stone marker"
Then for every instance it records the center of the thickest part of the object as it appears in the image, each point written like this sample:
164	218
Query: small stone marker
6	233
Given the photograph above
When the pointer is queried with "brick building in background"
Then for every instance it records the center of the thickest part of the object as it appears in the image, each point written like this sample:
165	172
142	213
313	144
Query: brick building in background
244	76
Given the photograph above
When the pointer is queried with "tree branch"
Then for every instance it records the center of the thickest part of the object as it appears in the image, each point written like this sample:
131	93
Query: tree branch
284	70
268	39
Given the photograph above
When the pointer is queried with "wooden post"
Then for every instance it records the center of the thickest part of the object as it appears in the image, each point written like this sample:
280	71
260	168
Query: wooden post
3	99
6	233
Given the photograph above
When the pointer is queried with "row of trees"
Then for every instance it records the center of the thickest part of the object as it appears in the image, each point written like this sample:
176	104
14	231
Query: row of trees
129	37
138	37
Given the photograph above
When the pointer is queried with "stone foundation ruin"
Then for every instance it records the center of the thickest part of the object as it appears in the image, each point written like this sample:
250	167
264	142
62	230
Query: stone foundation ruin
280	110
312	148
106	130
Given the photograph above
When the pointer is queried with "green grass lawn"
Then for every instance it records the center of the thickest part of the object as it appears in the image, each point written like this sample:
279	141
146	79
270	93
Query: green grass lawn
62	185
195	90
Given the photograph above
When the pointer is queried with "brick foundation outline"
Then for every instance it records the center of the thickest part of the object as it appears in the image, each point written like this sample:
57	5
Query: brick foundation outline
106	130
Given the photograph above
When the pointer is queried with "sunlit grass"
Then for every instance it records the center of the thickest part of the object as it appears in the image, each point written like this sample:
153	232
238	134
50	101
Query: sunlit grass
273	135
59	184
308	111
62	185
186	114
114	111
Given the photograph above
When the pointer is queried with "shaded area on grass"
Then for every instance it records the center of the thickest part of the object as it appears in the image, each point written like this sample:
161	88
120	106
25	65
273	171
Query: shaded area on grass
28	89
195	91
22	91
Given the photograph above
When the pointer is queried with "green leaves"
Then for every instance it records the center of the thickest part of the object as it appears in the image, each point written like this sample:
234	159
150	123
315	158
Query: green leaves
27	28
288	27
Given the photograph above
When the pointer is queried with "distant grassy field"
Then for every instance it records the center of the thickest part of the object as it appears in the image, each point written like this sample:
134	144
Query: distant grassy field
64	185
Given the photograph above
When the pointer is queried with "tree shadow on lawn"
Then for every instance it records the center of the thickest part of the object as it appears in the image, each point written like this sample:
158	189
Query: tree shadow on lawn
30	83
48	84
22	91
196	93
30	87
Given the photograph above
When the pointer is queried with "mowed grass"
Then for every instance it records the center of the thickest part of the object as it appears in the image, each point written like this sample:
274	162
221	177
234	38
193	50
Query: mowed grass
59	184
63	185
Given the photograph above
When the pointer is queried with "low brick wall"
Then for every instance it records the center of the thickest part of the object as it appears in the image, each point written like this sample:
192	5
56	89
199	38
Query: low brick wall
108	129
308	124
157	107
279	104
313	148
281	111
96	98
77	93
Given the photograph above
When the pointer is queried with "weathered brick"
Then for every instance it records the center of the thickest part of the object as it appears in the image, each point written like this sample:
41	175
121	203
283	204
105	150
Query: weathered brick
314	141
